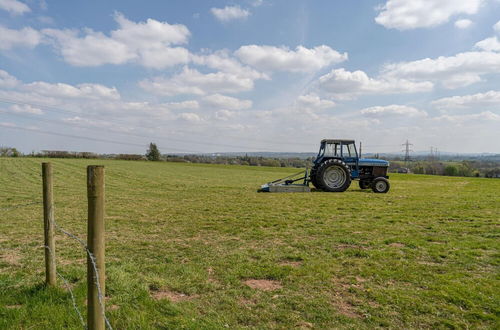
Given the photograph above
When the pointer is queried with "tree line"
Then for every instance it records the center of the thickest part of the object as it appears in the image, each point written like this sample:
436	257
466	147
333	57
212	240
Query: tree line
465	168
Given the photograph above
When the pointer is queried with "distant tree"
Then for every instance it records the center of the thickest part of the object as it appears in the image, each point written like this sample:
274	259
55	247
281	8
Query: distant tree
451	170
153	153
465	169
9	152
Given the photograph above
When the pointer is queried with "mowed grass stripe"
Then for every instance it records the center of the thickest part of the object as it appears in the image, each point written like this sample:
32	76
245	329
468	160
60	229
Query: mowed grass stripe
195	246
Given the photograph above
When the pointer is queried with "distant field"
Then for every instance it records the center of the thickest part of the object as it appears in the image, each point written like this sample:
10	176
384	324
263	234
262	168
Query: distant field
195	246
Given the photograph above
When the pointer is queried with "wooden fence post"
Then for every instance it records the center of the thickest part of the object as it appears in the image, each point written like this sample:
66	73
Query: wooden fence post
95	242
48	224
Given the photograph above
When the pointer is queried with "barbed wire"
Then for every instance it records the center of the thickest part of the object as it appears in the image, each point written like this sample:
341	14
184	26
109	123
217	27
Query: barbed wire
12	207
67	285
100	297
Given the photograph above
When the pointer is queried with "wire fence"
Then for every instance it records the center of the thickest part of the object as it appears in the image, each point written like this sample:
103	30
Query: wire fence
50	227
94	267
68	287
66	282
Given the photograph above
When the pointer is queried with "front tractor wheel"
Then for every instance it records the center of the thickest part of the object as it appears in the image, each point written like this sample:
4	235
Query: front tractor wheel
380	185
334	176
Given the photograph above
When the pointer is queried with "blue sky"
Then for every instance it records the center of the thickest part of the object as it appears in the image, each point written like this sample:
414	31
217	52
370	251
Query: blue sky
209	76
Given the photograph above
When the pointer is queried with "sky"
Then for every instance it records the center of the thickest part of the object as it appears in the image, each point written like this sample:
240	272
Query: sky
250	75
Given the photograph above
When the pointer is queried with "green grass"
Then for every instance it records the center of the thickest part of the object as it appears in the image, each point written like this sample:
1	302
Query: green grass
425	255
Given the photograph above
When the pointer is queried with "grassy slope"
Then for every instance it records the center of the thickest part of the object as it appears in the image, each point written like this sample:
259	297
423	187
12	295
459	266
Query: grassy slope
423	255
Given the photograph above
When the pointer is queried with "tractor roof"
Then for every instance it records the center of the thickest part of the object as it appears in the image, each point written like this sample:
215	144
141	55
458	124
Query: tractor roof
337	141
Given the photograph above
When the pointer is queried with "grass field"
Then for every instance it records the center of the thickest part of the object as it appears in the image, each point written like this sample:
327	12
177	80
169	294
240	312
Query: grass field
195	246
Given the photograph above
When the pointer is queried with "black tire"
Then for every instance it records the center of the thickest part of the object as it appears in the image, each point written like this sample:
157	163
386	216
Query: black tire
313	179
364	184
333	175
380	185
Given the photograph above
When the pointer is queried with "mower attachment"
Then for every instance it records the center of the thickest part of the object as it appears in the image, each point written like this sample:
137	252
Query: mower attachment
287	184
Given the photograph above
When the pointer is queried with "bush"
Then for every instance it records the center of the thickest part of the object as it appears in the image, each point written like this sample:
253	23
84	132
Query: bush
451	170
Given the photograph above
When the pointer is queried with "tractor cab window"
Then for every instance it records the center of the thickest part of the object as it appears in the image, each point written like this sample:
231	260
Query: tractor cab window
345	151
332	150
351	148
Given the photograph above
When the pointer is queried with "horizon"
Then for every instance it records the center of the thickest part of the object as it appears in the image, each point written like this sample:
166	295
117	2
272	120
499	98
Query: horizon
259	75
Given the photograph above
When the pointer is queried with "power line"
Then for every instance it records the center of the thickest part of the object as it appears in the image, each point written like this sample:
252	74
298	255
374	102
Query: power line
200	141
86	138
110	130
119	122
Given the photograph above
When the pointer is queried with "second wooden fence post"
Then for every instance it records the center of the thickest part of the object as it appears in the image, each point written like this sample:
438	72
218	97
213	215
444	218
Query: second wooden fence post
48	224
95	242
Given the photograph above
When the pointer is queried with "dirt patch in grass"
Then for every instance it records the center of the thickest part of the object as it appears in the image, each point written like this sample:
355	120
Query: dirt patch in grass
247	302
305	325
429	263
290	263
11	258
264	285
173	296
13	306
350	246
346	308
211	277
343	297
399	245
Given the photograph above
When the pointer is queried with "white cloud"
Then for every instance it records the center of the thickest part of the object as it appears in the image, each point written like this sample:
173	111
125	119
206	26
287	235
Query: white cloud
224	114
227	102
60	90
489	44
191	81
163	57
496	27
190	104
151	33
460	70
405	14
469	119
302	59
393	110
490	98
93	49
26	37
347	84
257	3
229	13
189	116
463	23
8	81
14	7
313	101
148	43
221	60
24	108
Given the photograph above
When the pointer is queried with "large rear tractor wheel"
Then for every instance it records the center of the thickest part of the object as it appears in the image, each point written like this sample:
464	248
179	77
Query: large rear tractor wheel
334	176
380	185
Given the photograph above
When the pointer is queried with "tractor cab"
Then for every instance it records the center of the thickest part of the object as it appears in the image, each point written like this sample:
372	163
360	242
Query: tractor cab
341	149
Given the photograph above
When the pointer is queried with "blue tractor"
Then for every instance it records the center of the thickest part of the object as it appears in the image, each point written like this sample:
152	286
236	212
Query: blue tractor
336	165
